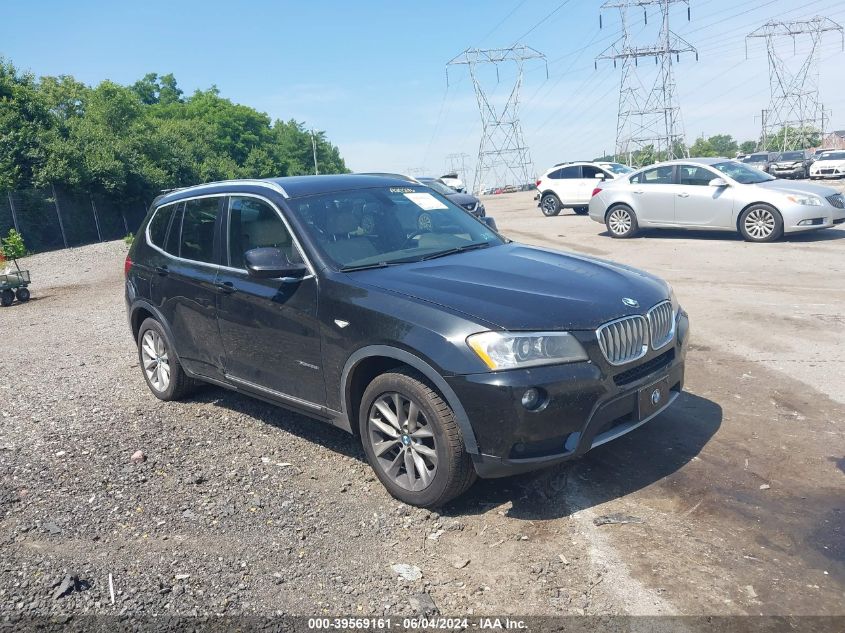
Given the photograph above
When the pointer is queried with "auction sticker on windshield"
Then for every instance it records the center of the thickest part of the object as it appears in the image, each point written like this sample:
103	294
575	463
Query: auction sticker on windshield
425	201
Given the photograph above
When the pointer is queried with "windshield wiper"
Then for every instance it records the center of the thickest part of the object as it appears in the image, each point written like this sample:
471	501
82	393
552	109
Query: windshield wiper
457	249
366	266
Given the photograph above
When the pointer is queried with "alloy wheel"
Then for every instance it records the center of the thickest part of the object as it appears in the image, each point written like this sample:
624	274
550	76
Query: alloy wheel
619	221
156	361
549	205
403	441
760	223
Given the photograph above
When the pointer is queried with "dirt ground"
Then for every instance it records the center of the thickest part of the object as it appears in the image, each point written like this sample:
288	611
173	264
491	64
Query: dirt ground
732	501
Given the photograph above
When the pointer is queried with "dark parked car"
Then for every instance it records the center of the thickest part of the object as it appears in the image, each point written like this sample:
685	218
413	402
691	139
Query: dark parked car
465	200
379	306
791	165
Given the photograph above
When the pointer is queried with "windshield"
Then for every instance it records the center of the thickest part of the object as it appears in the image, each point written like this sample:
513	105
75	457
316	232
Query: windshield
618	168
365	228
833	156
791	156
758	158
438	186
742	174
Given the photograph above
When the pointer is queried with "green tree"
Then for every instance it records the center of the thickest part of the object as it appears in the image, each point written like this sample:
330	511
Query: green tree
748	147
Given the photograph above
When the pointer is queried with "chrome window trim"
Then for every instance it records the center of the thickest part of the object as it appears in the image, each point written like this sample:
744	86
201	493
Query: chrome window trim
311	269
645	346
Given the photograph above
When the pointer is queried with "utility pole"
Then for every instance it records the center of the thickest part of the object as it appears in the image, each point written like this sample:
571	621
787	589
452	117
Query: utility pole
314	149
795	113
648	112
503	156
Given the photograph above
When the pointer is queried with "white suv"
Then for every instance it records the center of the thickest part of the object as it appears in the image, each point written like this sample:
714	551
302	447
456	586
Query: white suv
571	185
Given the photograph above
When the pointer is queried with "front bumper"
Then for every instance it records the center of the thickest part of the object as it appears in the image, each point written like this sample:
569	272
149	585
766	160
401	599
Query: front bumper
788	172
800	218
827	172
587	404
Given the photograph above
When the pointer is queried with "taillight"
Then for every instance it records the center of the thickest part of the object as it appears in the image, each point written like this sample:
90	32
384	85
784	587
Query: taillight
539	180
596	190
127	264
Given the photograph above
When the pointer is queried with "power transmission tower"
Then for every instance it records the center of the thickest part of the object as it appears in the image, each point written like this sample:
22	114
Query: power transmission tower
648	113
795	115
502	152
457	164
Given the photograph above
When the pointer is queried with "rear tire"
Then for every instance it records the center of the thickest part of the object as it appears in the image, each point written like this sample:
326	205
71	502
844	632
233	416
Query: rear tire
406	426
760	223
621	222
550	205
161	369
7	298
23	295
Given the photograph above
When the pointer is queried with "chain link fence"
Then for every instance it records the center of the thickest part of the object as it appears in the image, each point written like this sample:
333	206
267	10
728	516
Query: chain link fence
55	217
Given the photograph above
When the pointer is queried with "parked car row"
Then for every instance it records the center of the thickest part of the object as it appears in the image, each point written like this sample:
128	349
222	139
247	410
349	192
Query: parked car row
796	164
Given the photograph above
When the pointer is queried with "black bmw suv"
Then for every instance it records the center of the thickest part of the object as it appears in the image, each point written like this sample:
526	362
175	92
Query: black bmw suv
379	306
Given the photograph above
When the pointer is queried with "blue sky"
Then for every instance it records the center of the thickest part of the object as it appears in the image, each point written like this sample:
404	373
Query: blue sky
372	73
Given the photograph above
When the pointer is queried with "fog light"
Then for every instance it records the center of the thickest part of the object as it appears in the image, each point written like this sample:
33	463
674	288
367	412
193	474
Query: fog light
533	399
812	222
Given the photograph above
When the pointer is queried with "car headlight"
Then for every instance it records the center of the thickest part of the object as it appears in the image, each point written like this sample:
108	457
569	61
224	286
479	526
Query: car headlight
674	300
513	350
808	201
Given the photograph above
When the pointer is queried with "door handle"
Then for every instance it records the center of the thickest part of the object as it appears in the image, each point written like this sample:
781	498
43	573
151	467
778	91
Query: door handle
162	270
683	195
226	287
639	192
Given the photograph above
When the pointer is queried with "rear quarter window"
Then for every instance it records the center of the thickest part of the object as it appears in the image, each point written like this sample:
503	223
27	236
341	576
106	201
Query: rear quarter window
159	223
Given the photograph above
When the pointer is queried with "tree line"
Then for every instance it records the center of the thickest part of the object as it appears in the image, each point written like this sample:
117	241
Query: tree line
723	145
133	141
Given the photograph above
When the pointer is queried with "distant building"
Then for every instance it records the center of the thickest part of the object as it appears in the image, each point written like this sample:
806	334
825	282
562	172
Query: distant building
834	140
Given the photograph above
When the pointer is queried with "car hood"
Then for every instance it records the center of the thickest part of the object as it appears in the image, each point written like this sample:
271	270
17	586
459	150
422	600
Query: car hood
785	186
462	198
819	164
518	287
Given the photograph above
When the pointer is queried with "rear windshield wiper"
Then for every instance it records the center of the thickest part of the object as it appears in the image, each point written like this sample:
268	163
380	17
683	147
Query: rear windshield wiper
457	249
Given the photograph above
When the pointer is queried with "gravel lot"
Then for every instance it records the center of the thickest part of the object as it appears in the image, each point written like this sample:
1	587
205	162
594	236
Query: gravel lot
730	503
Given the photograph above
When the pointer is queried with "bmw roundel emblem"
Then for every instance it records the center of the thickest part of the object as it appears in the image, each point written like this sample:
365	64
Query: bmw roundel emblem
655	397
631	303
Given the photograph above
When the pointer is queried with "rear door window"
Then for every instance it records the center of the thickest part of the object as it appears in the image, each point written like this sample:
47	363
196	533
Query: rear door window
573	171
198	222
655	176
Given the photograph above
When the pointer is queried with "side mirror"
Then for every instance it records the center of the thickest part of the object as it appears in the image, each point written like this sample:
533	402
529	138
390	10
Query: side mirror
599	176
272	263
490	222
718	182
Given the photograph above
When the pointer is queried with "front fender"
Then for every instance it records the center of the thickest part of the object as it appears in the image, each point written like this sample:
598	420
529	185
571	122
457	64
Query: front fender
404	356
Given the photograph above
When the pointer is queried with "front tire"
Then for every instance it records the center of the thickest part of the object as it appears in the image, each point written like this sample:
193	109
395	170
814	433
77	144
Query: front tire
161	369
412	440
550	205
760	223
621	222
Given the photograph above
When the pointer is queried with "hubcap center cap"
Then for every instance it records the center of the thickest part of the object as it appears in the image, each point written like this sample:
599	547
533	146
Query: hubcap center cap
406	440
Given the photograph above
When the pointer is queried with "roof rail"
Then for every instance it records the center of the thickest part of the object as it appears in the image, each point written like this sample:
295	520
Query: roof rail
243	181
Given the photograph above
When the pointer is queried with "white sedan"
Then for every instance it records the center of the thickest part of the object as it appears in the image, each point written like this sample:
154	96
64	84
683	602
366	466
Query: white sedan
714	194
829	165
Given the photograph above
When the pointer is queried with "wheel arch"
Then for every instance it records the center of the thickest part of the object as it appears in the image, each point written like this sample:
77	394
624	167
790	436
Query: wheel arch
754	204
142	310
366	363
614	205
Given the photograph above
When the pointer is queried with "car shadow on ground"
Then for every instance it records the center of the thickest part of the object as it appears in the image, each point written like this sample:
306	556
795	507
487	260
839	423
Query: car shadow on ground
302	426
616	469
820	235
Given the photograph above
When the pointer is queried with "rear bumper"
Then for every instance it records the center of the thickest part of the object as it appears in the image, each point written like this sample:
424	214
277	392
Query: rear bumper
587	404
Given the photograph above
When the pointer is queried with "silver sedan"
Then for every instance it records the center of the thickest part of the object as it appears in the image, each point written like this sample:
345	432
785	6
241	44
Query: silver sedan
714	194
